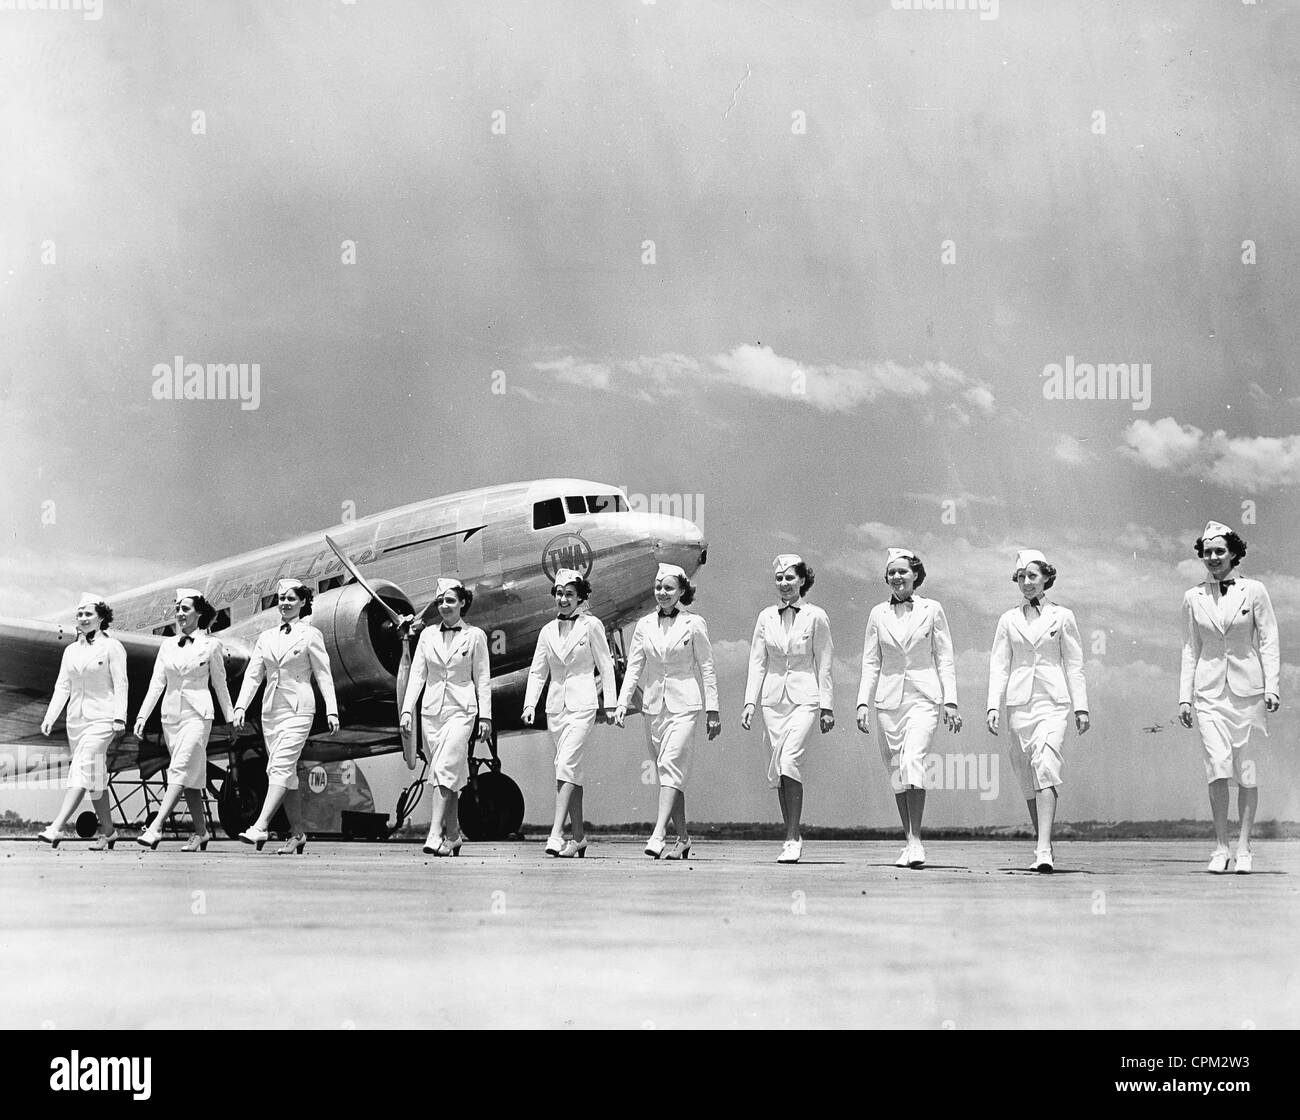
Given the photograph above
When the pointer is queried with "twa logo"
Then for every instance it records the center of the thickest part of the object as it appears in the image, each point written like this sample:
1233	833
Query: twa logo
568	550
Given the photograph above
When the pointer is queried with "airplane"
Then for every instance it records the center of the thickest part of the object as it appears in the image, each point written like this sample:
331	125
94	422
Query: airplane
505	544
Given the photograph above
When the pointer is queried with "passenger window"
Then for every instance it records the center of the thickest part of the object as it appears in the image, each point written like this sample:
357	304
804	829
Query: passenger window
221	622
576	505
268	601
329	584
164	631
548	513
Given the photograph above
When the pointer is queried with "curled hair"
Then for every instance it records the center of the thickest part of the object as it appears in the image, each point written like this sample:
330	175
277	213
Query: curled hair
581	585
918	570
466	597
1236	546
105	613
207	612
805	574
688	590
1048	570
306	594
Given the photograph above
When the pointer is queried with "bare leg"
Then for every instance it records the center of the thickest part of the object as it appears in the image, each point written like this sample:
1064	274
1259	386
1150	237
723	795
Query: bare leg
575	813
915	810
785	811
563	791
1247	800
794	800
274	795
100	802
71	800
1033	816
438	818
452	815
293	810
904	814
678	817
170	797
1219	807
1046	799
198	819
667	803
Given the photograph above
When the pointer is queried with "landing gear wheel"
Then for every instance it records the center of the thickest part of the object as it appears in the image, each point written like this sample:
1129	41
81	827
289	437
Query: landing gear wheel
491	807
87	824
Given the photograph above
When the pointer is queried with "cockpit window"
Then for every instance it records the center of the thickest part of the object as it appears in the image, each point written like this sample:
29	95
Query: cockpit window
606	503
576	505
548	513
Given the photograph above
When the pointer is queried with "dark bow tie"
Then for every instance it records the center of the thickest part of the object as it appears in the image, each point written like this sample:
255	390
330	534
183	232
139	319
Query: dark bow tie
565	617
898	600
670	614
1224	584
286	627
444	628
1037	602
789	607
184	639
90	637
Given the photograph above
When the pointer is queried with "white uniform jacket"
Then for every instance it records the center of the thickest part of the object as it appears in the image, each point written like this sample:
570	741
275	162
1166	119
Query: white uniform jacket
916	648
793	667
455	679
1047	649
92	681
287	661
181	676
667	662
571	664
1233	640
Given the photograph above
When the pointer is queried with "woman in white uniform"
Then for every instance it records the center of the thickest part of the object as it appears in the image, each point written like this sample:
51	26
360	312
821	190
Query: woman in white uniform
451	667
1037	667
1230	668
570	649
907	663
790	671
92	683
287	656
668	646
186	666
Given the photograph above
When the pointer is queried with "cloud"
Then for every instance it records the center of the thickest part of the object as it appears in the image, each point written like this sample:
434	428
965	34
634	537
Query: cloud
1249	463
37	586
761	371
1073	451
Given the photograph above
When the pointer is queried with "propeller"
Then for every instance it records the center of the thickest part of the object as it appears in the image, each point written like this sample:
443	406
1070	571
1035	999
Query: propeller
411	742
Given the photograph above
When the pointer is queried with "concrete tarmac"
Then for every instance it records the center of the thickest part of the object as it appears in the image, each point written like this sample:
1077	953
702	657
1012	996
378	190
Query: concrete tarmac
1126	934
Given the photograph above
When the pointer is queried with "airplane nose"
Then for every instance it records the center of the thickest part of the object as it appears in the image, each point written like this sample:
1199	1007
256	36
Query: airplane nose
678	541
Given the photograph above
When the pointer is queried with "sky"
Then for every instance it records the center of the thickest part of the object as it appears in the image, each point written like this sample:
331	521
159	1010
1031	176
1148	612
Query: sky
811	269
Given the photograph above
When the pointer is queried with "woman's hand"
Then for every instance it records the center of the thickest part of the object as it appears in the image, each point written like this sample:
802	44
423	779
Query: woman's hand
747	716
138	729
602	715
333	722
1272	701
991	721
528	716
47	725
827	720
1185	713
1081	722
951	720
485	730
712	724
238	721
620	714
864	719
406	723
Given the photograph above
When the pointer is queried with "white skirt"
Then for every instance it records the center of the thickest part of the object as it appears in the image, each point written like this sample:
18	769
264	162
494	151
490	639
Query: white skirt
285	733
187	743
906	733
1226	723
1037	732
88	769
446	741
670	737
787	728
569	731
